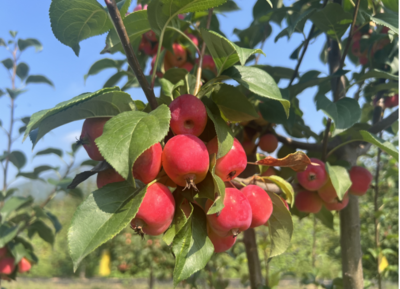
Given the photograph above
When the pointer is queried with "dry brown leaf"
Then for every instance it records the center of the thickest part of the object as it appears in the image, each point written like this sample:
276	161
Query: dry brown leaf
297	161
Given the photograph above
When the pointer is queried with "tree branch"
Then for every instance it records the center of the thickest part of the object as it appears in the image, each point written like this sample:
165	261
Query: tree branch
130	54
384	123
299	145
203	50
310	34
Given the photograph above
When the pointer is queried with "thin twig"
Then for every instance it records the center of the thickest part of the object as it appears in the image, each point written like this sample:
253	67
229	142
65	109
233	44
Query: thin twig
325	139
130	54
384	123
307	41
203	50
376	209
298	144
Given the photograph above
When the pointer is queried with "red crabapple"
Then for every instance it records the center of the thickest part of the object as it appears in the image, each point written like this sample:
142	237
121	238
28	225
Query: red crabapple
108	176
24	265
156	212
363	60
392	101
361	179
230	165
92	128
337	205
178	57
221	244
188	115
308	202
261	204
3	252
148	164
234	218
193	38
208	63
7	265
249	147
286	204
188	66
314	177
269	172
328	193
268	143
185	160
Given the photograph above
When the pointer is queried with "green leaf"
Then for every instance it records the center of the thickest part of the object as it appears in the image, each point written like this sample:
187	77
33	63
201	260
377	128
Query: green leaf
22	70
14	204
333	20
2	42
7	233
392	5
49	151
326	217
136	24
35	174
224	133
18	251
101	216
17	158
192	247
288	31
75	20
228	6
345	112
388	19
340	179
224	52
43	230
8	63
233	103
258	82
375	73
280	226
126	136
386	146
179	220
103	64
161	12
25	43
106	102
39	79
219	189
114	79
54	220
168	88
13	93
286	187
13	33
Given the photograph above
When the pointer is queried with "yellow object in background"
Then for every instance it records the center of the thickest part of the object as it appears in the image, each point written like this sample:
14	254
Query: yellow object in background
383	264
104	269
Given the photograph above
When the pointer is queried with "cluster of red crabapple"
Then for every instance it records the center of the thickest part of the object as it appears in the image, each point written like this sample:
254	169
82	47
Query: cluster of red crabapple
319	191
186	160
7	264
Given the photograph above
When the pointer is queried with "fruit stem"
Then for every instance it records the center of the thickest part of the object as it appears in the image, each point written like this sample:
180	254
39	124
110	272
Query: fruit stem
235	232
190	184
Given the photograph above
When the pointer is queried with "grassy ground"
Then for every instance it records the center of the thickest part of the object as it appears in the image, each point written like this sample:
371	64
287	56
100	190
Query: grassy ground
98	283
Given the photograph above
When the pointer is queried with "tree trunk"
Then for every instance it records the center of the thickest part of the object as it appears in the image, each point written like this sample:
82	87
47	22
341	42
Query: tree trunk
253	260
151	279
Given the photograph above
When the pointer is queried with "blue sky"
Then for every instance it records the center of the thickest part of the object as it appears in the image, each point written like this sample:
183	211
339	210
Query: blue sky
59	63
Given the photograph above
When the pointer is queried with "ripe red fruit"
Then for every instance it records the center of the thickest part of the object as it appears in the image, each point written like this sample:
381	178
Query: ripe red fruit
208	63
148	164
269	172
328	193
361	179
268	143
234	218
188	115
392	101
185	160
261	204
308	202
107	177
178	57
314	177
156	211
188	66
249	147
338	206
230	165
24	265
148	47
363	60
286	204
193	38
7	265
385	30
92	128
3	252
221	244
